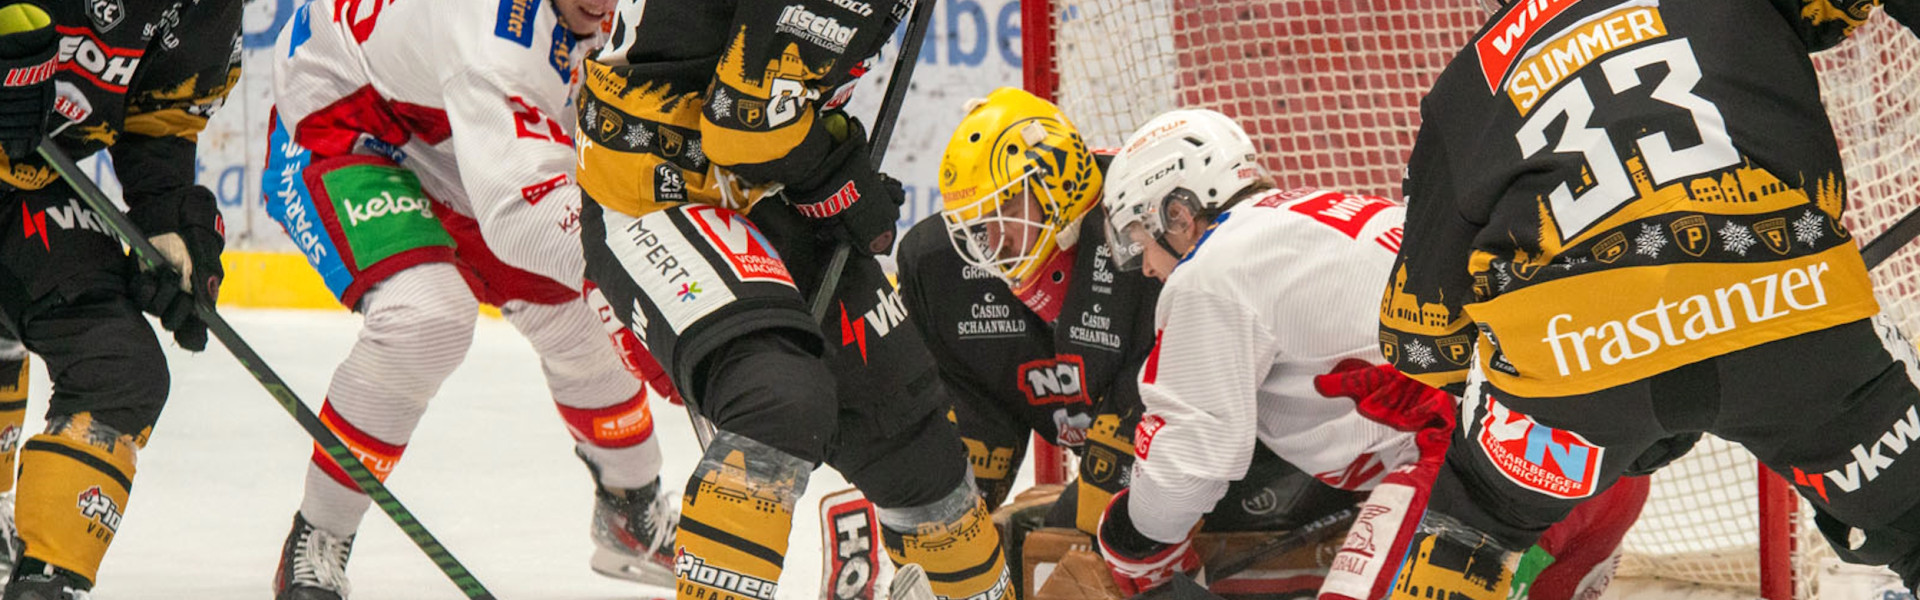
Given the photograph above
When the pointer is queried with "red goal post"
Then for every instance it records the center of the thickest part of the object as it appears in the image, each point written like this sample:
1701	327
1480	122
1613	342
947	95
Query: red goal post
1330	89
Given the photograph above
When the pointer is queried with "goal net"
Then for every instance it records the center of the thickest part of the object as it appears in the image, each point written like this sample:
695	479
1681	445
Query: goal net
1330	91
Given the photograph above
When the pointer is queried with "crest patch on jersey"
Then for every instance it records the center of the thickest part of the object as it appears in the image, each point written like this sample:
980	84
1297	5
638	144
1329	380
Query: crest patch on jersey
1555	462
106	14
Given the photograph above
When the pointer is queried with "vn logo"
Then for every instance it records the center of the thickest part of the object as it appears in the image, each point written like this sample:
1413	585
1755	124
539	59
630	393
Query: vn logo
1868	461
887	313
66	217
1550	461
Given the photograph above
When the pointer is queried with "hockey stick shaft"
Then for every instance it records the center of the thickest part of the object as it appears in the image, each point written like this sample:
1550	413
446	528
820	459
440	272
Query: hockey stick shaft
1892	240
151	259
1183	587
881	136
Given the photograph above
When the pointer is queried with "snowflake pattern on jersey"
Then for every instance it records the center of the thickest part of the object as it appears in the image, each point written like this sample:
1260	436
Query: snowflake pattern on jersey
696	153
721	103
592	117
1808	228
1650	241
1421	354
639	136
1737	238
1505	278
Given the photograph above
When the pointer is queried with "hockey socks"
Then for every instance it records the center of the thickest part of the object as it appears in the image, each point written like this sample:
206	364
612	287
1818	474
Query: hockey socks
74	482
735	519
333	502
616	442
955	541
1450	560
13	409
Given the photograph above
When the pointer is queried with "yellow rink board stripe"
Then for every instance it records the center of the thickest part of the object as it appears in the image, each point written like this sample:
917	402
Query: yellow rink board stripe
279	280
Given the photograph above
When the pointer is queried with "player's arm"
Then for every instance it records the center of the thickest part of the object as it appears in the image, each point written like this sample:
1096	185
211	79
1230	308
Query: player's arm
1199	386
186	75
769	114
1822	24
510	134
1422	309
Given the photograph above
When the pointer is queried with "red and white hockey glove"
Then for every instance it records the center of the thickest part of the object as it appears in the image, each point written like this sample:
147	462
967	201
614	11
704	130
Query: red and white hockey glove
1381	534
1139	563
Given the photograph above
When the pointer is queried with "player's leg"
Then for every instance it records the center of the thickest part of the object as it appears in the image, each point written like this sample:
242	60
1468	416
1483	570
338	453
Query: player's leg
895	443
602	403
1519	465
722	316
396	270
1585	547
63	289
996	441
14	373
605	409
1836	412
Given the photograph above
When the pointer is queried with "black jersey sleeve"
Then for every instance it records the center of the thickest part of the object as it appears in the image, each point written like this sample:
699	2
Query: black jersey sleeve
1422	310
1822	24
782	68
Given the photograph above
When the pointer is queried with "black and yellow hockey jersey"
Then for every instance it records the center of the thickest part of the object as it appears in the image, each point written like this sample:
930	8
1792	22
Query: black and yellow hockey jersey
1603	190
139	77
715	101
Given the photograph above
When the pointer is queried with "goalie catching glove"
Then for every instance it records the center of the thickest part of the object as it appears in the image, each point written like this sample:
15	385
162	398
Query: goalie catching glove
186	227
1389	518
857	201
1139	563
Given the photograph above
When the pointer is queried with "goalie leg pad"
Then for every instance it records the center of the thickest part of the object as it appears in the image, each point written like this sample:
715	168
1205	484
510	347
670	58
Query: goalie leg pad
74	484
955	541
735	519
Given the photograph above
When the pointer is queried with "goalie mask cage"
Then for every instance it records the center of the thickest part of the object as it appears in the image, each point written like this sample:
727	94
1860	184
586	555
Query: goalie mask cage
1330	90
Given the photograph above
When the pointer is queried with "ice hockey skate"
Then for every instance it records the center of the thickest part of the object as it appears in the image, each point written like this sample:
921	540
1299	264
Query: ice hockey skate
633	534
11	535
51	583
313	564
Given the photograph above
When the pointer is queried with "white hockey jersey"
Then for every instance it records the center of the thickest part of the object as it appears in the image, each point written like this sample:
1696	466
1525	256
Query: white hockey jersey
472	96
1283	288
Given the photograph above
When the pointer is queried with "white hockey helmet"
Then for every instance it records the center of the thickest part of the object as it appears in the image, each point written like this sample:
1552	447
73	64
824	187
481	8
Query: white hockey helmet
1195	156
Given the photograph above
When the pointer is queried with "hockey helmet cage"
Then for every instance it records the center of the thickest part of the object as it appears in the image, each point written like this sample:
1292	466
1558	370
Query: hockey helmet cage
1195	156
1015	181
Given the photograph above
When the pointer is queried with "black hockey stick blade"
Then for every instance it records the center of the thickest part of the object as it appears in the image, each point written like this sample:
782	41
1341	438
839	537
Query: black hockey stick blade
1892	240
151	259
1300	537
881	135
1180	587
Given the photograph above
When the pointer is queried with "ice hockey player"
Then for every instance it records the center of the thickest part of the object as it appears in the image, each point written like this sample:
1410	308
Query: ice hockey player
1266	338
423	160
690	120
1624	225
138	80
1066	366
1063	366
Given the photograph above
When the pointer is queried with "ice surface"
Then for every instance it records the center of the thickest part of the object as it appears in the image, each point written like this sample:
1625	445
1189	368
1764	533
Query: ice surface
490	471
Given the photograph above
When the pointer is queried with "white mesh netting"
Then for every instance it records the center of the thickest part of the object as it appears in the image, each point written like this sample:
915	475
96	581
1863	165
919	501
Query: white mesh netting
1329	90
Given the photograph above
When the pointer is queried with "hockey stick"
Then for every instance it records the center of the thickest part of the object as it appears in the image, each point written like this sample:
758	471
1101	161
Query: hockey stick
877	141
1183	587
1892	240
151	259
880	136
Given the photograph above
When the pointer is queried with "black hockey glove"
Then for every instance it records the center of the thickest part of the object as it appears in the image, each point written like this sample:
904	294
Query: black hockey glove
859	203
26	91
186	226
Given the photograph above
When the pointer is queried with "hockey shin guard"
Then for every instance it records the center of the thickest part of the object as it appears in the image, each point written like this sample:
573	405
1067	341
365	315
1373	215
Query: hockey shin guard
1451	560
955	541
74	483
735	519
13	408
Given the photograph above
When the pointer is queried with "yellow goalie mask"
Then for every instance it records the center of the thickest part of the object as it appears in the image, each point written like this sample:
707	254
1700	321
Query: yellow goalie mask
1014	183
